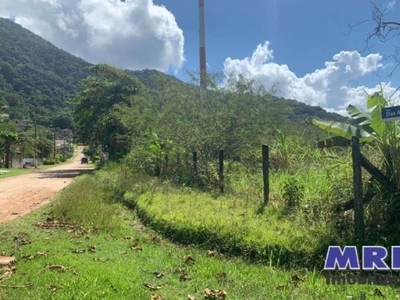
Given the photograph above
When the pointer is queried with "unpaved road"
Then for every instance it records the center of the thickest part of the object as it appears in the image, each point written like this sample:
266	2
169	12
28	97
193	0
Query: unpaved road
21	194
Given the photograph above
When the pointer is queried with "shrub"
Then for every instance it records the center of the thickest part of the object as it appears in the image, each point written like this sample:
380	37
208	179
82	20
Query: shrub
292	193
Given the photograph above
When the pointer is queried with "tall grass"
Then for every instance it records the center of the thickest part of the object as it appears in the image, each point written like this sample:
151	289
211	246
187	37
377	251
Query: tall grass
56	263
88	203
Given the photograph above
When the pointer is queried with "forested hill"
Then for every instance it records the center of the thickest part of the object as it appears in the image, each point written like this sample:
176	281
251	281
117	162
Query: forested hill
35	76
38	79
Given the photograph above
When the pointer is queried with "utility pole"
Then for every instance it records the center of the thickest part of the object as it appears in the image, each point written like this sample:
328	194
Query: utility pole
54	153
34	153
202	48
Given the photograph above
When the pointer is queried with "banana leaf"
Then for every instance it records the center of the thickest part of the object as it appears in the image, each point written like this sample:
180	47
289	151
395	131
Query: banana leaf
344	130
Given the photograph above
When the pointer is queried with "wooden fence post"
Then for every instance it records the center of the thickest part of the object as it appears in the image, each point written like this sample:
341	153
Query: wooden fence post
166	164
358	190
221	170
178	164
265	158
195	162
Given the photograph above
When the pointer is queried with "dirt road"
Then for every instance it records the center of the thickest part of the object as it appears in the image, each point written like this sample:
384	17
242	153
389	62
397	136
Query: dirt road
21	194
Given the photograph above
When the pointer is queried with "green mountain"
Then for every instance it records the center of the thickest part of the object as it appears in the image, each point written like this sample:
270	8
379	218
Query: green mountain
37	80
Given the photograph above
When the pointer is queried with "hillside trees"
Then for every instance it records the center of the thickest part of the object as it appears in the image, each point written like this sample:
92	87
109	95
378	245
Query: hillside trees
40	73
8	135
220	119
97	107
176	120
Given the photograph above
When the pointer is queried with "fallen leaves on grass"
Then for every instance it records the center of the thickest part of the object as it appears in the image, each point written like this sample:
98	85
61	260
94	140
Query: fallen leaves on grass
190	297
92	248
16	286
5	275
151	286
158	274
211	253
78	251
214	294
136	248
184	276
59	268
33	256
53	288
189	260
7	267
70	227
21	240
281	287
102	259
156	297
52	223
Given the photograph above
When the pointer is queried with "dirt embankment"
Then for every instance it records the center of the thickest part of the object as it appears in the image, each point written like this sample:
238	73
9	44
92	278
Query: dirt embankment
21	194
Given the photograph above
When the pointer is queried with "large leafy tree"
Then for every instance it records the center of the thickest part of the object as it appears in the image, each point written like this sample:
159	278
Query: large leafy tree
229	119
8	135
97	109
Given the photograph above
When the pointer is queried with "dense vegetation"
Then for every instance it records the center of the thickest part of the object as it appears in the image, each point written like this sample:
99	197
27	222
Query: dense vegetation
150	125
38	80
104	252
155	132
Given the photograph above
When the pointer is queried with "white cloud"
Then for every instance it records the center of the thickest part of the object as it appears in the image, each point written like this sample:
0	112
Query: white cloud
328	87
390	5
134	34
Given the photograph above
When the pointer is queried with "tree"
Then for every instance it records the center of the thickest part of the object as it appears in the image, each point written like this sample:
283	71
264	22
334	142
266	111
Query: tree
97	106
384	30
228	119
8	136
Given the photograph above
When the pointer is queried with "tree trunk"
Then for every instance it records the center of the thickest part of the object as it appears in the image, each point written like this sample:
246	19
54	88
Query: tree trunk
8	155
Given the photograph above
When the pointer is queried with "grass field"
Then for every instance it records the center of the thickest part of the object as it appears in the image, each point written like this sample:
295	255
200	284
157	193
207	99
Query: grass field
4	173
102	251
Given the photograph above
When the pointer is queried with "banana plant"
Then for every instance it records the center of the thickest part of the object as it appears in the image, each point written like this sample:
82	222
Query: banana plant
370	128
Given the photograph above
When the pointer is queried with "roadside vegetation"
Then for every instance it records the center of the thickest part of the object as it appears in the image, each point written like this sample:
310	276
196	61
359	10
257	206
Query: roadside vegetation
64	252
163	149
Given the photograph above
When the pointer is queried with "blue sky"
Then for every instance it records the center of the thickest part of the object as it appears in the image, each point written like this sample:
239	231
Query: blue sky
303	46
303	34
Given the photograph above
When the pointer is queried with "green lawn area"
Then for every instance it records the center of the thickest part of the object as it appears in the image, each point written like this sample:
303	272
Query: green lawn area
56	261
102	251
4	173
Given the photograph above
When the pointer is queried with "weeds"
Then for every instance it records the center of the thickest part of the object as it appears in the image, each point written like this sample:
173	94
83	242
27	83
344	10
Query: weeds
292	193
87	203
124	260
